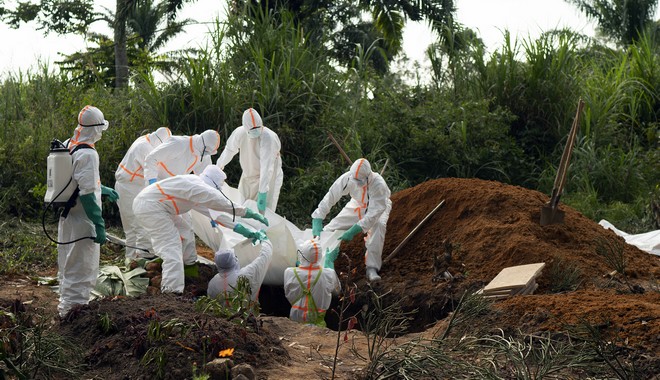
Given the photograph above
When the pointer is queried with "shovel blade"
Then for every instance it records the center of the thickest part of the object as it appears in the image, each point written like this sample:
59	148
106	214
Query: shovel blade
551	215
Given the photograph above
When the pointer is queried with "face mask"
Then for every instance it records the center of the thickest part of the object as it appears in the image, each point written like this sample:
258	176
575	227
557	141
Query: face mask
98	131
254	132
302	257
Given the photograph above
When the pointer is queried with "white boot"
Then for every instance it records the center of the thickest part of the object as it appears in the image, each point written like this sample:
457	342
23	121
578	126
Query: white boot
372	275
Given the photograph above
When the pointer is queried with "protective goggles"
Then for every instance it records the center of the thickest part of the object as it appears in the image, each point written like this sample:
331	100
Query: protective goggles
104	125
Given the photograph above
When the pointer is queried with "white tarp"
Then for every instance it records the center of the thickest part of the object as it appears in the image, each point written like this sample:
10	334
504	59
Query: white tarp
285	236
649	241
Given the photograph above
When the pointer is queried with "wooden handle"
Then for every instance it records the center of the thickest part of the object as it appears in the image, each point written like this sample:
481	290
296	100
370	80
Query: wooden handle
410	235
560	179
343	154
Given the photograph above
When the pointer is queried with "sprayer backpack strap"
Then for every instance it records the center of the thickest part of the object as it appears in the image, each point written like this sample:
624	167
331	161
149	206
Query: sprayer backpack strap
72	199
315	316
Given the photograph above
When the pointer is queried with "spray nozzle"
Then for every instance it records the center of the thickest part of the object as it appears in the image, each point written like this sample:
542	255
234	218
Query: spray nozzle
57	145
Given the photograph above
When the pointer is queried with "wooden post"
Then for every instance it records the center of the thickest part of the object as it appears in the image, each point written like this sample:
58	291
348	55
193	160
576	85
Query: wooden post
410	235
384	166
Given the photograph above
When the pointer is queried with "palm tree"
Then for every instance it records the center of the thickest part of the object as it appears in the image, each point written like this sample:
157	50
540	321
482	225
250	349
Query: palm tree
75	16
147	30
621	20
153	25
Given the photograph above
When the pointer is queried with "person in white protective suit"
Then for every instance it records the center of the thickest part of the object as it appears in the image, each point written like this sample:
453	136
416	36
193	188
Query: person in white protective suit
367	211
309	287
223	284
129	182
182	155
260	160
78	262
159	209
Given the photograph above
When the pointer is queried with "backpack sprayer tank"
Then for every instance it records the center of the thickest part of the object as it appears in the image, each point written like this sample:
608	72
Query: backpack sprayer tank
60	184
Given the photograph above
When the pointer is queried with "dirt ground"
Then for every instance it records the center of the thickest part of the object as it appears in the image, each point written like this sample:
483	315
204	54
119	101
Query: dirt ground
490	226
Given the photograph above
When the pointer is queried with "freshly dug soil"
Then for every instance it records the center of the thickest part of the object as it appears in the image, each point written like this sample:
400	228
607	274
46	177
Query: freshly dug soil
493	226
161	336
490	226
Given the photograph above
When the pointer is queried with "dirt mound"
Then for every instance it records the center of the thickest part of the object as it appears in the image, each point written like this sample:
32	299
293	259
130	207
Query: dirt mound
492	226
161	336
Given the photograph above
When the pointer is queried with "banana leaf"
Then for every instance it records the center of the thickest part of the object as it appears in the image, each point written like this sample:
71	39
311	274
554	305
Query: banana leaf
113	282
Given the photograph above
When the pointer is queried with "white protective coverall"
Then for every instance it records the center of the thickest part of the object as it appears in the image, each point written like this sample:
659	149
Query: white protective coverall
229	270
259	157
182	155
369	207
309	287
129	182
78	263
158	209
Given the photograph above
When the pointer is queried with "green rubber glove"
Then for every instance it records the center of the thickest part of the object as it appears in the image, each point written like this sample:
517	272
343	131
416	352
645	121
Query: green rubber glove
256	216
330	257
317	226
350	234
93	212
241	229
110	192
261	202
261	236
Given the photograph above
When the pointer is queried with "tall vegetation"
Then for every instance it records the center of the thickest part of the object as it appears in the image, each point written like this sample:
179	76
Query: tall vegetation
503	116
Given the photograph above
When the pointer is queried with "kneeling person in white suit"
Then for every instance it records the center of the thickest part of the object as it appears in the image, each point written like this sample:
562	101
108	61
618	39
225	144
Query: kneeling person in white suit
309	287
158	209
223	284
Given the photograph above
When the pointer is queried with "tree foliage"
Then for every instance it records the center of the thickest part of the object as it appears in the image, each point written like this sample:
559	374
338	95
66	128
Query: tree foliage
623	21
148	29
342	25
76	16
502	116
56	16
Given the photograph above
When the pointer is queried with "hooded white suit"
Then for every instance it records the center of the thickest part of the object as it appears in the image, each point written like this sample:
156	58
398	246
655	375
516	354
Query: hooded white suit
182	155
158	209
309	287
130	181
78	262
260	159
229	270
369	207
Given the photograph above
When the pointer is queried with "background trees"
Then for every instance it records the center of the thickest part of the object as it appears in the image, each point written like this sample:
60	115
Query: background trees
502	116
64	16
622	21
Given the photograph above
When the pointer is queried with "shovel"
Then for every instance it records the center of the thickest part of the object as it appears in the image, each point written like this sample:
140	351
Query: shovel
550	213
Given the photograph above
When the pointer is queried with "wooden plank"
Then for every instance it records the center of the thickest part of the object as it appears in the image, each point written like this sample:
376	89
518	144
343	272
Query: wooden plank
515	277
501	291
498	295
